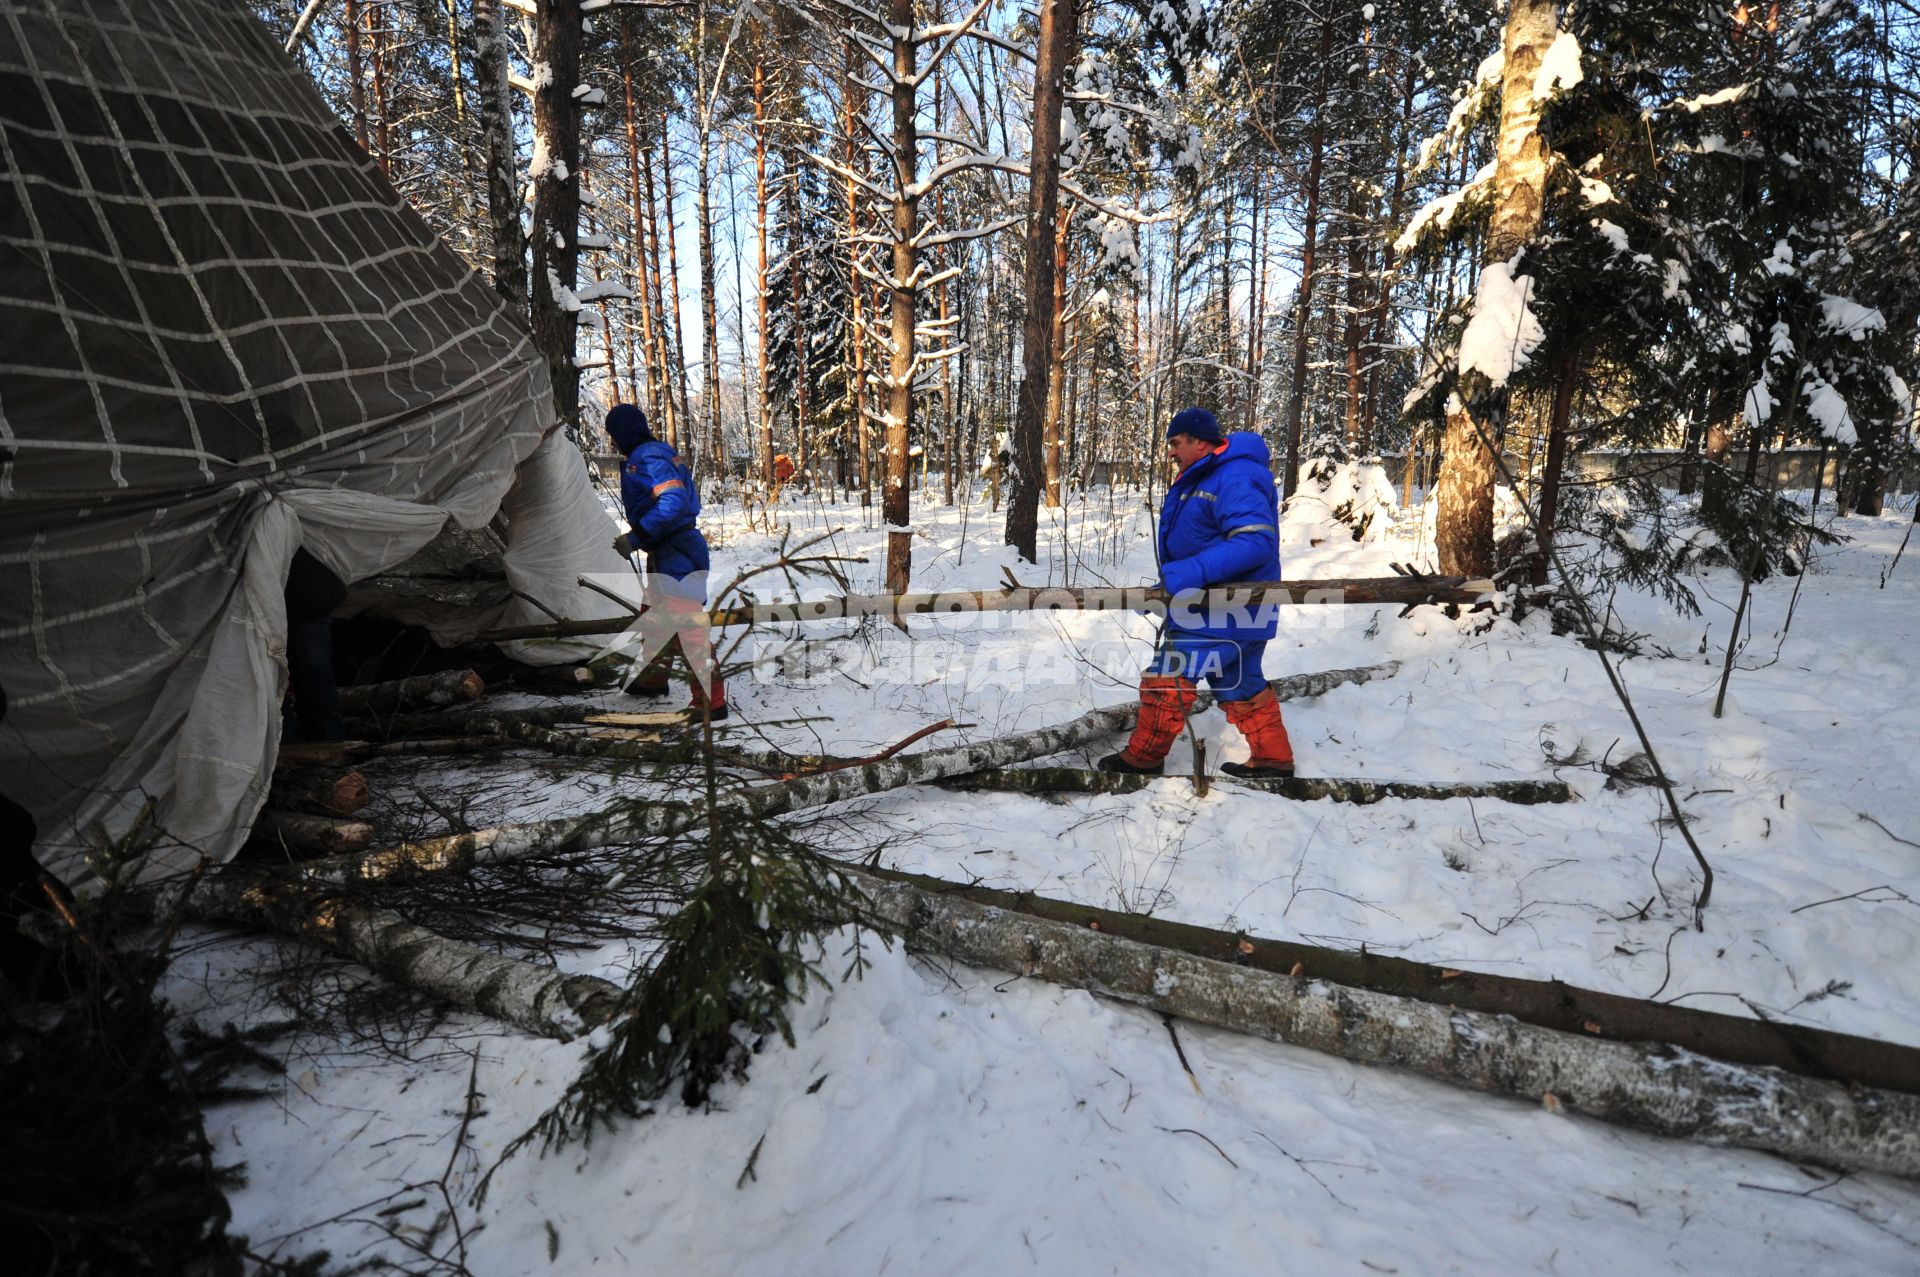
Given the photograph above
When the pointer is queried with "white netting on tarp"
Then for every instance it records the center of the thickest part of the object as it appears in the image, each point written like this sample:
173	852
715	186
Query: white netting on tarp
225	337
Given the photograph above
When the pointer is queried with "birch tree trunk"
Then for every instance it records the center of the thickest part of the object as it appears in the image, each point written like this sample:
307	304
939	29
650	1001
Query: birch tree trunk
1646	1085
1463	532
503	205
760	227
637	819
1058	20
556	200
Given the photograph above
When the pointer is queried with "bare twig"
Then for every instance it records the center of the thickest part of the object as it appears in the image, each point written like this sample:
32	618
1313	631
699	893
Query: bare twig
1188	1130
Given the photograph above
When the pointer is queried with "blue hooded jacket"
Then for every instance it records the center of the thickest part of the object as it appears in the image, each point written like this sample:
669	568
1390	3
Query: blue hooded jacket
661	500
1221	524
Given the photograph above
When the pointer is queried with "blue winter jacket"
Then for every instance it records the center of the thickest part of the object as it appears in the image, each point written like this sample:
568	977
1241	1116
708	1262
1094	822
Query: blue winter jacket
1221	524
662	505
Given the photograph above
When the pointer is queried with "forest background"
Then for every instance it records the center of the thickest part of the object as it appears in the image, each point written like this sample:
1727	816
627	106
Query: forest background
1597	253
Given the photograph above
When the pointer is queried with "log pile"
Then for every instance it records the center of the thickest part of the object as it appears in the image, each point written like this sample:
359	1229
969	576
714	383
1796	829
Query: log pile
449	687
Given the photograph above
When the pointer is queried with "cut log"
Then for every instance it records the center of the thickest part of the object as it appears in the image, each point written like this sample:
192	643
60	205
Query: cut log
531	996
1395	591
338	753
339	794
1651	1086
448	687
319	753
462	723
634	819
317	835
1073	780
632	746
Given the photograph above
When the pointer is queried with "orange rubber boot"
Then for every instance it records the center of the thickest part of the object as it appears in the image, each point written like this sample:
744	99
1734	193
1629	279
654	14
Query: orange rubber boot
1259	721
1165	702
711	702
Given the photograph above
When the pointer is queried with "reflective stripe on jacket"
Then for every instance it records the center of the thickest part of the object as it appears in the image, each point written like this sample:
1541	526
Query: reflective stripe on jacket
662	507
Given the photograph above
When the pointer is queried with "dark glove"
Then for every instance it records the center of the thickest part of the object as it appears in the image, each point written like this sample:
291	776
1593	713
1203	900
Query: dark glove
624	545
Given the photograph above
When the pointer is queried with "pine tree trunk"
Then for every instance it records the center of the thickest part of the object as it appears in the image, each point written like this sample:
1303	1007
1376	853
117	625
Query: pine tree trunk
356	89
760	293
663	362
1310	235
1463	532
503	204
853	106
639	216
556	201
689	429
1556	464
1256	306
1383	293
894	500
379	38
1057	360
1059	20
715	461
1353	330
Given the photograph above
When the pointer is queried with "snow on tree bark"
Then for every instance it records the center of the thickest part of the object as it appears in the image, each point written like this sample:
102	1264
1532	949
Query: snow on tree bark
555	172
1463	532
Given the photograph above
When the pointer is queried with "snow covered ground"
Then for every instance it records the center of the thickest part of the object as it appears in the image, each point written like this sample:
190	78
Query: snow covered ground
960	1121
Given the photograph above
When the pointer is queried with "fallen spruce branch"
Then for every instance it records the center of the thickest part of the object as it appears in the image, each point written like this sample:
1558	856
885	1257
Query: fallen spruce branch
445	688
634	819
1073	780
1397	591
1649	1085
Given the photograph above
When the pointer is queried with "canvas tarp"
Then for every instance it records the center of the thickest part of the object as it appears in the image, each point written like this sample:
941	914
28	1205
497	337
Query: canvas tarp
225	337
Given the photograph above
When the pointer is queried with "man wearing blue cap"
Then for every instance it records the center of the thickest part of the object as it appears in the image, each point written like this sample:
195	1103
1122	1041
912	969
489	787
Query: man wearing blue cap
1220	525
662	506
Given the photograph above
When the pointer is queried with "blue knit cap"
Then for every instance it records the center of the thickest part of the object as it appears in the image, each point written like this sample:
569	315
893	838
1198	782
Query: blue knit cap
1197	422
628	426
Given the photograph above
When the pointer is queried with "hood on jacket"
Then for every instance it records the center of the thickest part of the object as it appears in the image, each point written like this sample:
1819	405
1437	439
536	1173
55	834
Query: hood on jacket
628	426
1242	445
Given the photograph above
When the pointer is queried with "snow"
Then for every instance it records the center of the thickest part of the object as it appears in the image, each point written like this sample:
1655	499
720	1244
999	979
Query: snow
1559	66
1694	105
1439	212
943	1119
1758	406
603	289
1829	411
1847	316
1612	232
1502	331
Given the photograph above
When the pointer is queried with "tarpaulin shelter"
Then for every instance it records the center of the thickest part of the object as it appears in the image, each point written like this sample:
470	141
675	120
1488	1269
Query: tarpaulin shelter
223	336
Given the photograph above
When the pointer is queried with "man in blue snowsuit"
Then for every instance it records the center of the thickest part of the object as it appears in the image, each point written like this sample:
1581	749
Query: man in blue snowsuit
1220	525
662	505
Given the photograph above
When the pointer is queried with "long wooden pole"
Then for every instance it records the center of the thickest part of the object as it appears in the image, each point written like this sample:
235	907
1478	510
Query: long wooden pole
1388	590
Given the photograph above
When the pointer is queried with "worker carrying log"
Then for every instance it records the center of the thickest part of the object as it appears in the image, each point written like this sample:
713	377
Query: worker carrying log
663	507
1220	525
